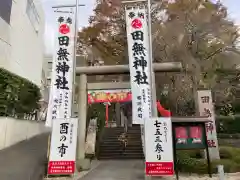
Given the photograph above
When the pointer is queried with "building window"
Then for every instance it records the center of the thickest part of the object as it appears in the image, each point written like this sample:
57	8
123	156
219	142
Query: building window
5	10
33	14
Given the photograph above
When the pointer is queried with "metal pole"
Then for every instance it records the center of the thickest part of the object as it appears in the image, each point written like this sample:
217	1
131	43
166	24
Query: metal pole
153	86
75	55
152	77
81	162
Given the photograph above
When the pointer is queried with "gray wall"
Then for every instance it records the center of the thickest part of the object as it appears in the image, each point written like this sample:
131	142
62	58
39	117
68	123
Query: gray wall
5	10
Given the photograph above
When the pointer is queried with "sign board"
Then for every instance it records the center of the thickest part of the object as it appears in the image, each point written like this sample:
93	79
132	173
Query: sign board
189	136
63	146
159	147
138	53
206	108
60	98
102	96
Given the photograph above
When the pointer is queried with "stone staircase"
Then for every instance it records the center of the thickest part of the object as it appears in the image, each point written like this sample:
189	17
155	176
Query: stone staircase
112	148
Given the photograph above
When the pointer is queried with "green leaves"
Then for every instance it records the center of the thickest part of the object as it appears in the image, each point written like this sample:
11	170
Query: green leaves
18	97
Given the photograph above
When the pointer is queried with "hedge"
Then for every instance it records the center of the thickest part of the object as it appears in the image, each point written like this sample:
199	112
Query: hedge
18	96
192	161
228	126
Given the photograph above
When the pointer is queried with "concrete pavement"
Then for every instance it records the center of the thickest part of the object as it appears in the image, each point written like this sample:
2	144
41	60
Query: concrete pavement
25	160
117	170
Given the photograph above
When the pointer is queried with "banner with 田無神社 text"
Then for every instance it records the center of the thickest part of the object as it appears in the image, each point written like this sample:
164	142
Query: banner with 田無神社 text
60	98
139	65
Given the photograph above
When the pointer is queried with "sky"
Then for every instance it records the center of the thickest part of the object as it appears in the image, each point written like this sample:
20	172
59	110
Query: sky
86	11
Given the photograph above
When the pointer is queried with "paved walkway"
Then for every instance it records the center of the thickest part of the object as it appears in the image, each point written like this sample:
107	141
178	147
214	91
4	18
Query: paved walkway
117	170
25	160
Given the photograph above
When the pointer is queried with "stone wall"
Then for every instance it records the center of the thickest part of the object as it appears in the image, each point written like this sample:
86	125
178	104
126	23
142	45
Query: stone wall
13	130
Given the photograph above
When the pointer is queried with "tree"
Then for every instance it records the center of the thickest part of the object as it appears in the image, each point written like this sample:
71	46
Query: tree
194	32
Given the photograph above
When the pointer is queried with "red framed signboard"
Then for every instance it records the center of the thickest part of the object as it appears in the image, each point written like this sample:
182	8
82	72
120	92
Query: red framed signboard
196	132
181	132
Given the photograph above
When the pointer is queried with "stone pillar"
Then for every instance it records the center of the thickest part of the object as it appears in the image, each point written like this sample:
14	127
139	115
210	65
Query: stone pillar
82	163
206	108
118	114
122	119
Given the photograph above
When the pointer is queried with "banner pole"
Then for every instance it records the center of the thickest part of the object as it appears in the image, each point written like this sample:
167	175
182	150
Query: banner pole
152	78
75	57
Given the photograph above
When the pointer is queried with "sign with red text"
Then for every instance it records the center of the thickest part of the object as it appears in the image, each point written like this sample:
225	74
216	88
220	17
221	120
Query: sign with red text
206	108
63	147
102	96
159	147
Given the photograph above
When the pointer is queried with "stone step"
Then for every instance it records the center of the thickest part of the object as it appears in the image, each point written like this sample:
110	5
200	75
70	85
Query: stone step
123	156
132	138
112	148
116	147
116	143
119	151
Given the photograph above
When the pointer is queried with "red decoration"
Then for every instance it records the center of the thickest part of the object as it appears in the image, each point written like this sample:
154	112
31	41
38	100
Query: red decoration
136	24
181	132
64	29
101	97
106	114
196	132
162	111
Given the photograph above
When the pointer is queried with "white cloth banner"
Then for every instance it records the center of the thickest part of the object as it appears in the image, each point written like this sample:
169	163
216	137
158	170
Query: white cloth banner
138	52
159	147
206	108
63	146
60	98
64	131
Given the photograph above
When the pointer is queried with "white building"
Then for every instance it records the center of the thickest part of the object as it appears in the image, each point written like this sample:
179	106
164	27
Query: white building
21	38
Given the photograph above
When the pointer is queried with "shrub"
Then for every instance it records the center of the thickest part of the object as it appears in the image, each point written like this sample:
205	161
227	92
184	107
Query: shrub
191	161
229	152
229	136
18	96
225	153
228	126
230	166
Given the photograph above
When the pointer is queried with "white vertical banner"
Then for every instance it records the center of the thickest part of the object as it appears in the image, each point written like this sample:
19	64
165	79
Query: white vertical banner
60	98
159	147
138	53
63	146
206	108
